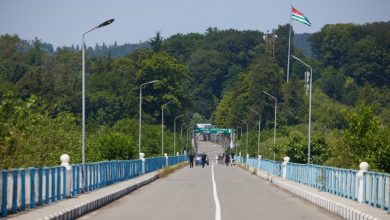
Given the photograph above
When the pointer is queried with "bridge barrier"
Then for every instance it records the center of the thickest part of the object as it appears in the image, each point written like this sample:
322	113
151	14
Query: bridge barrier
372	188
22	189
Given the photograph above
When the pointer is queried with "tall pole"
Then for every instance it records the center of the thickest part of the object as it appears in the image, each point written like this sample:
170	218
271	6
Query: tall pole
238	135
83	107
258	138
140	116
139	122
247	135
289	46
309	131
83	97
188	139
181	137
240	139
174	134
276	106
162	127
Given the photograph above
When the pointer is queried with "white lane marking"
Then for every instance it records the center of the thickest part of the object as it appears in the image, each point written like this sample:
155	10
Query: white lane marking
217	206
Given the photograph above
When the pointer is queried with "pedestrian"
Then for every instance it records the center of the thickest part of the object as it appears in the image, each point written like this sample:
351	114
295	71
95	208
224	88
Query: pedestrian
203	159
227	159
191	159
233	160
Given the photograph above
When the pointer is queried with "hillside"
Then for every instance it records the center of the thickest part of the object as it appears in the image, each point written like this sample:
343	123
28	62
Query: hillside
217	76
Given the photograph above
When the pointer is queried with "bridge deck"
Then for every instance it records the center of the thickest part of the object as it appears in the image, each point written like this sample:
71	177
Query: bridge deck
188	194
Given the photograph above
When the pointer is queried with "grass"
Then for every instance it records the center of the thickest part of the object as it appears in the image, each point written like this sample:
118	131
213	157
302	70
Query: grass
167	170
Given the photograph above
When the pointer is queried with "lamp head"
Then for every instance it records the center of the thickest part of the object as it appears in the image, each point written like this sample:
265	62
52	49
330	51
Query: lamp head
106	23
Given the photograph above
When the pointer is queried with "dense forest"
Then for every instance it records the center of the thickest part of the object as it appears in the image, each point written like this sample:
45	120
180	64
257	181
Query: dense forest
216	76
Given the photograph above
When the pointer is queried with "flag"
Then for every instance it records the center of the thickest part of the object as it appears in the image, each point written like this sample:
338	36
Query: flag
298	16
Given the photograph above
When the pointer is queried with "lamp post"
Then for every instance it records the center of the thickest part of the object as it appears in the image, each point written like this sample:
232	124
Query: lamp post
309	131
140	116
238	127
258	139
188	138
276	106
83	94
247	134
174	134
181	137
162	127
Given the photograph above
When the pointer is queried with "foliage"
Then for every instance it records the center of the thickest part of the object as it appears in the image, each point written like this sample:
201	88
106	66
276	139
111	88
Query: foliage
30	137
358	51
216	76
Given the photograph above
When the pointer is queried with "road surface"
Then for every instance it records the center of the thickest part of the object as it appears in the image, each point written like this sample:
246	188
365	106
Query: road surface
188	194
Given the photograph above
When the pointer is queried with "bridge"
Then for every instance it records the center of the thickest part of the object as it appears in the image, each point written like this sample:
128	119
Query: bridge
252	189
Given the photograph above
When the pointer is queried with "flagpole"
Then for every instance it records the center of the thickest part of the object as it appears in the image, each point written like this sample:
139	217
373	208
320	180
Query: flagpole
289	46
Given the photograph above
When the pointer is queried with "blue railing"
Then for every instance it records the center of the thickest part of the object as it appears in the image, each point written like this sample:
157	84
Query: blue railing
376	190
177	159
152	164
337	181
21	189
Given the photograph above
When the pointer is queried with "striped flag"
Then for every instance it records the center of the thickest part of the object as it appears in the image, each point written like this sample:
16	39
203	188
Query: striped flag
298	16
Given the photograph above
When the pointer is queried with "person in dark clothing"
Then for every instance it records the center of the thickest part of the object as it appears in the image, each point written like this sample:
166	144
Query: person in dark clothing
227	159
232	159
191	159
203	159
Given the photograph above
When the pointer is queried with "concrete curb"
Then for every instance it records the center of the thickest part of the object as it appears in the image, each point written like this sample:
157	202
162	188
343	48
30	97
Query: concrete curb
81	209
342	210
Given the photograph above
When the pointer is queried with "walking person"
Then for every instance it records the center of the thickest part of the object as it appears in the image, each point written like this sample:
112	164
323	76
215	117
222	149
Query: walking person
203	159
227	159
191	159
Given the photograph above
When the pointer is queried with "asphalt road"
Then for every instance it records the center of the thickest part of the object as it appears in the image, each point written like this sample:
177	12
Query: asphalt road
188	194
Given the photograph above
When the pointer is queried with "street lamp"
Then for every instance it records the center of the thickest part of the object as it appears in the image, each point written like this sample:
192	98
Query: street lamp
188	138
276	106
83	93
162	127
174	134
239	136
247	134
181	137
140	116
309	132
258	139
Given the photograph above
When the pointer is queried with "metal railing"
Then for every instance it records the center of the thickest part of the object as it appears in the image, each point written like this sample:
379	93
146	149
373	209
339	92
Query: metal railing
22	189
374	188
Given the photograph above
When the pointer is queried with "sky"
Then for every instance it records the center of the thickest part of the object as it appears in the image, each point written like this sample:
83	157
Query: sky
62	22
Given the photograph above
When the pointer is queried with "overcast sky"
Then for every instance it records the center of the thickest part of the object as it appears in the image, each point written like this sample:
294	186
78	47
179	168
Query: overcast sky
63	22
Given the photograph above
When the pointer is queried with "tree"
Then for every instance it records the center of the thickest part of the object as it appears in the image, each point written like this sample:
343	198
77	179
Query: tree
156	42
293	108
281	46
116	146
171	75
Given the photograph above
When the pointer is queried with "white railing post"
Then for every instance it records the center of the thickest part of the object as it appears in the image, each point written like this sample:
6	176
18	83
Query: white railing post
142	158
286	160
258	162
360	179
65	163
166	159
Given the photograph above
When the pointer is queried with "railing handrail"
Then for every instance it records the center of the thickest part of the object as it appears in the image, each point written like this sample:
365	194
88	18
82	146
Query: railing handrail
38	186
364	186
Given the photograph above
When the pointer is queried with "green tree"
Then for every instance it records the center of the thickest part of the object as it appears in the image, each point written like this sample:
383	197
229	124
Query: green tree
171	75
116	146
156	42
